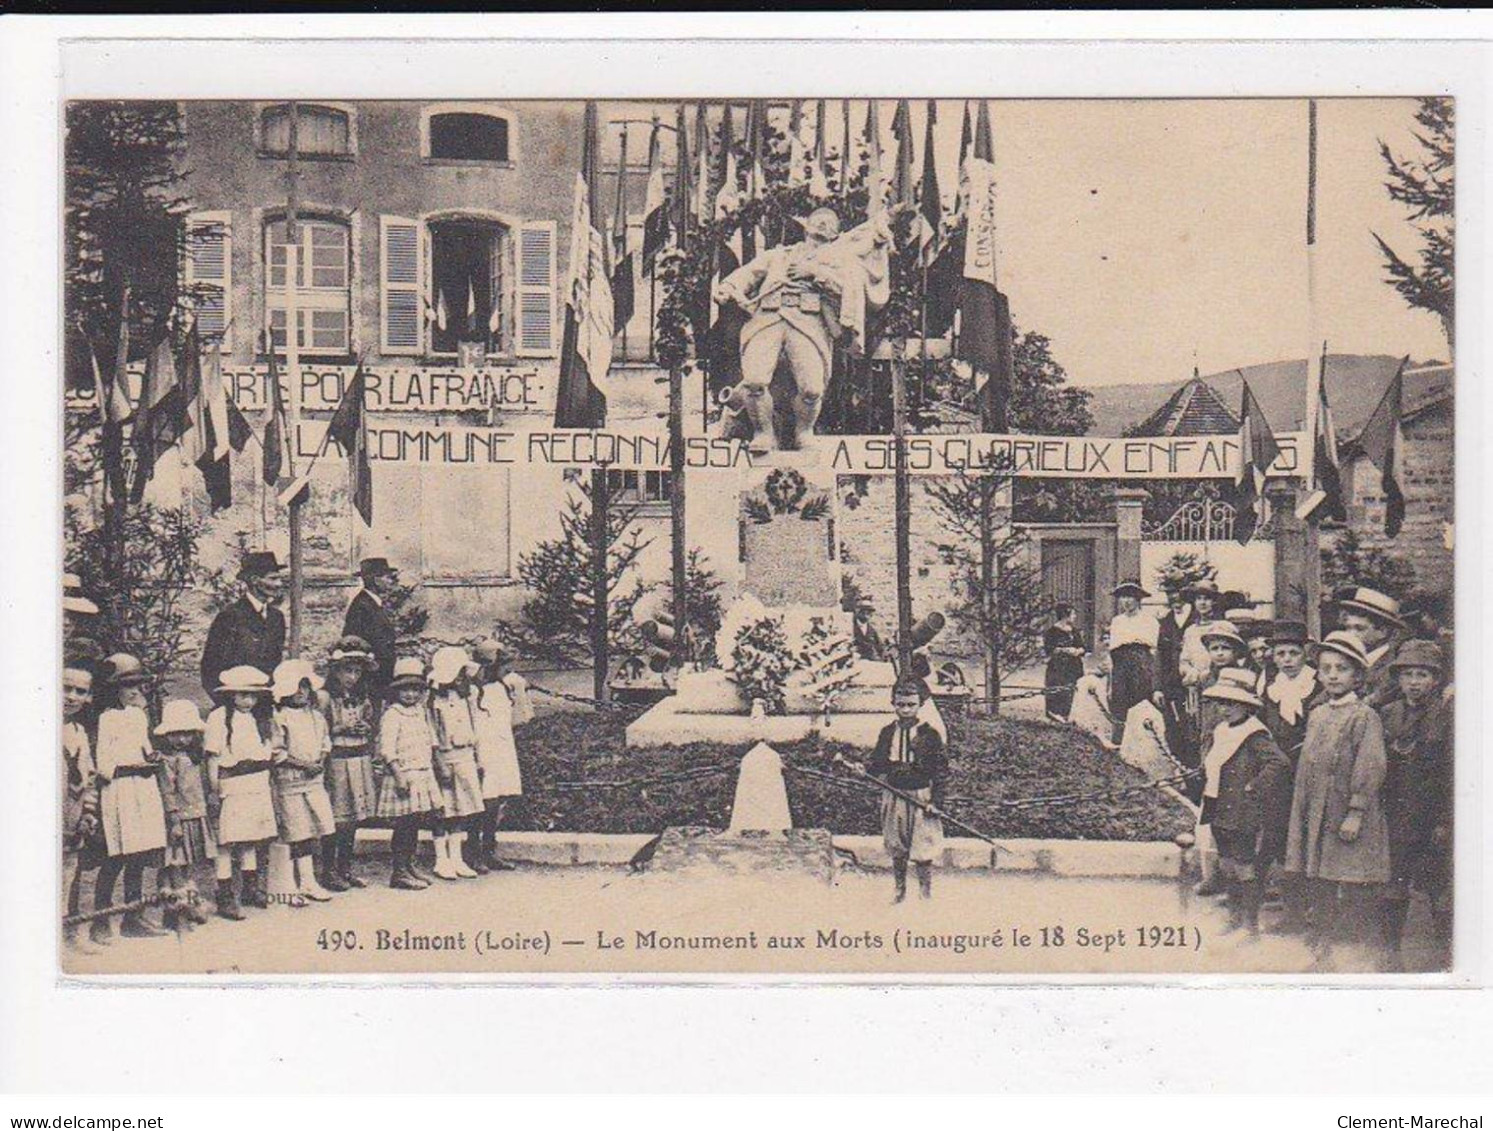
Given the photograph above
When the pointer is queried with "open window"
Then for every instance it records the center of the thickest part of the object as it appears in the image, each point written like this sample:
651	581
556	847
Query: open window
469	291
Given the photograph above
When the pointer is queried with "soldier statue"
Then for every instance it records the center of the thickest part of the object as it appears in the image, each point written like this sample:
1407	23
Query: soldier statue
801	299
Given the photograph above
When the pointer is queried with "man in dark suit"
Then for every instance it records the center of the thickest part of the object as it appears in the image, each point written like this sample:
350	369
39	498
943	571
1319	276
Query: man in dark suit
252	629
368	617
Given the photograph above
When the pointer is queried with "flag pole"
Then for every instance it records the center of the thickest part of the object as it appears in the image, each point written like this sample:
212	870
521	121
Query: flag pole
293	379
1316	375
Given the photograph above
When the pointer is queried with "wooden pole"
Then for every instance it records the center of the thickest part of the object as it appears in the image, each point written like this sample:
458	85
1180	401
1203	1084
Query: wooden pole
599	505
678	545
903	508
293	378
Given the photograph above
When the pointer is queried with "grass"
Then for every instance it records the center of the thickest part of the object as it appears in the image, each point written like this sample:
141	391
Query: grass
992	760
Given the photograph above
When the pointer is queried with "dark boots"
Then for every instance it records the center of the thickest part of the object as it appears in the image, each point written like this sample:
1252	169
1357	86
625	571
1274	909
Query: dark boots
347	842
402	872
925	880
228	907
899	878
331	875
255	887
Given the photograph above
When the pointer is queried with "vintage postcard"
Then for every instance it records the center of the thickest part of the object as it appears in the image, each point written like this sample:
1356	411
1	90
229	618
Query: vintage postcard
776	536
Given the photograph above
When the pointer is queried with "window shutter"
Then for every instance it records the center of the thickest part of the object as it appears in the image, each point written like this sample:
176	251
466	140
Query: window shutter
535	324
209	272
401	306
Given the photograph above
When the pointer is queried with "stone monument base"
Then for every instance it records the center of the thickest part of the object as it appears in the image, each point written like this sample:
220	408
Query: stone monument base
690	849
671	723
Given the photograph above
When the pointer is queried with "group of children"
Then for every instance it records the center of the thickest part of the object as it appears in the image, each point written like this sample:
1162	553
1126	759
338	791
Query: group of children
1333	768
283	756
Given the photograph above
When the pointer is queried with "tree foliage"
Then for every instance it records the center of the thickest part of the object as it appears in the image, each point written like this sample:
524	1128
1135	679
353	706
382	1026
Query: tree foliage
139	590
1348	561
555	622
1425	183
1011	624
123	226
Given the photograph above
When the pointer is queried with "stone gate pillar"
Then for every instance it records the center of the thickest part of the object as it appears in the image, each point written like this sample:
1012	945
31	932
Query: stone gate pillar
1128	504
1298	574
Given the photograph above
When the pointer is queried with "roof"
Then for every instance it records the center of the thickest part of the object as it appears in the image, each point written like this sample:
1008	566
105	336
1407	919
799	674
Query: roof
1193	410
1355	382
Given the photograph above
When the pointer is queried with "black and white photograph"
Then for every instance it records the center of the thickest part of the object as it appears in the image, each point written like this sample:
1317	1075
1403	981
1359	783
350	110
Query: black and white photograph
765	535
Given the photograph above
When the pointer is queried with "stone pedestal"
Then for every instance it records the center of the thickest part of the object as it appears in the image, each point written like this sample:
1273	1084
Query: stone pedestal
761	802
1129	502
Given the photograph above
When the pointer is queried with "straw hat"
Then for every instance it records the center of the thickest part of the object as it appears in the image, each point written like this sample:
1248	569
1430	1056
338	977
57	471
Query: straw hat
1131	589
1420	654
125	670
408	671
178	716
1205	586
290	674
243	678
1223	630
448	663
73	600
1235	685
1347	645
488	651
1371	603
353	650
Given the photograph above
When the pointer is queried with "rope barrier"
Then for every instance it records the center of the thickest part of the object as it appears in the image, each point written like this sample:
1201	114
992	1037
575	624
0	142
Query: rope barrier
172	898
695	774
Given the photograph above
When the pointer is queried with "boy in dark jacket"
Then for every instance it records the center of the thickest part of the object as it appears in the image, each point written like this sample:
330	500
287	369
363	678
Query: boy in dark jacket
1418	800
1246	794
909	756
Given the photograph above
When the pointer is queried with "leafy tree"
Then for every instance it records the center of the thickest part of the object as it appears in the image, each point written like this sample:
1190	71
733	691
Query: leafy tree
702	592
1009	624
555	622
1426	185
140	590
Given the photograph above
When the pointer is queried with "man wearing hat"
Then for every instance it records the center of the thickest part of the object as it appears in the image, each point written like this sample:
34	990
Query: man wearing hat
252	629
1132	653
369	618
1418	798
1374	617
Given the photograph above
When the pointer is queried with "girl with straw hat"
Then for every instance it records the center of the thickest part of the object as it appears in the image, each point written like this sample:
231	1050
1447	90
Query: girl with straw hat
130	808
189	834
500	701
302	745
455	760
1246	787
238	747
1338	841
408	795
1225	649
352	719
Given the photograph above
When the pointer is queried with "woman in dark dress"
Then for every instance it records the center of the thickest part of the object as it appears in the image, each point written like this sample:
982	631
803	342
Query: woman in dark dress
1065	648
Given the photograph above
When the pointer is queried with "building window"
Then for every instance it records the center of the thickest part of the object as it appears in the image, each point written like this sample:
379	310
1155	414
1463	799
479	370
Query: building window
469	291
639	488
321	131
323	285
468	136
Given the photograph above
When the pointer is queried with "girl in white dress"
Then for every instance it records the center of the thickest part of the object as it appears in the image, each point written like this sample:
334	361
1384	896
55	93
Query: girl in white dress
130	808
455	759
238	748
301	745
500	702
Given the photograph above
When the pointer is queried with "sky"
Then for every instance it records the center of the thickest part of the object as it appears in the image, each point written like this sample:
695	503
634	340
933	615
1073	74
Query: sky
1146	237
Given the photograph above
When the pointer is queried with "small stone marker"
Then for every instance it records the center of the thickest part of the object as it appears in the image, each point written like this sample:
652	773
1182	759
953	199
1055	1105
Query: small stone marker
761	803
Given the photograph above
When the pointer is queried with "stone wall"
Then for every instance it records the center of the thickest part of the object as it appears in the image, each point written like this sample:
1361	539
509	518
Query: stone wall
1425	539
